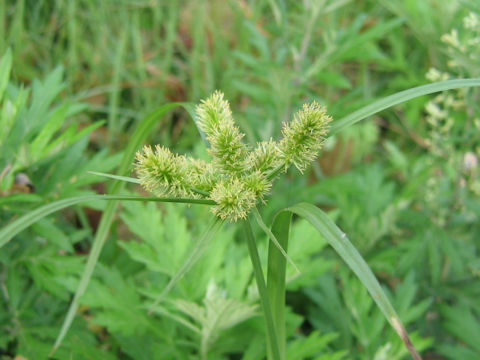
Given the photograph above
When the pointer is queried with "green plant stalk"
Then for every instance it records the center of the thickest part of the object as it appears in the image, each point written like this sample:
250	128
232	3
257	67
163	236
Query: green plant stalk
72	39
276	276
5	68
272	338
273	238
3	26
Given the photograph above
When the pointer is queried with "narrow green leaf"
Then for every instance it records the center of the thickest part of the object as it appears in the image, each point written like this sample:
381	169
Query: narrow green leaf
117	177
5	67
72	135
339	241
48	130
272	337
398	98
276	274
20	224
137	139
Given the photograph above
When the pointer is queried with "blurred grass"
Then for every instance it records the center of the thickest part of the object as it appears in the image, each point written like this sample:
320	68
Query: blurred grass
127	57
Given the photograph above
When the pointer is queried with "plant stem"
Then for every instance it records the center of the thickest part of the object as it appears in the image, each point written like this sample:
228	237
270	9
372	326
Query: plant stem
273	239
277	265
262	290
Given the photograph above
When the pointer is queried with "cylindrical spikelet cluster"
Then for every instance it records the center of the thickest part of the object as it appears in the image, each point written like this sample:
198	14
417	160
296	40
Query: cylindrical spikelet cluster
265	157
237	178
234	200
303	137
226	147
162	172
166	174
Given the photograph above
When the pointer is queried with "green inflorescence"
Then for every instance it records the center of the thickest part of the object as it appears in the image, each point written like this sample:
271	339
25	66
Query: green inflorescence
238	176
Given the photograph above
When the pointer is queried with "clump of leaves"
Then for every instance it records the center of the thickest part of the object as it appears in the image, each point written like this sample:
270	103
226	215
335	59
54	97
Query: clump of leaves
238	177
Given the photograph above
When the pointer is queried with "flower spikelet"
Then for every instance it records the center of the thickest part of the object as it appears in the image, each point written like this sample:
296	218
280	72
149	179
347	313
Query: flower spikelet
303	137
265	157
163	173
257	183
203	175
236	178
234	200
226	146
212	112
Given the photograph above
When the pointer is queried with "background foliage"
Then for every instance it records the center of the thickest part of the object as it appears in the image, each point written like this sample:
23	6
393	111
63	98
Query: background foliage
77	77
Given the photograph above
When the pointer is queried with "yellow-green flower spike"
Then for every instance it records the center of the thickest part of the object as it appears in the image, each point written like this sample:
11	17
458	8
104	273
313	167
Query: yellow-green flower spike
163	173
258	183
234	200
203	175
265	157
303	137
236	179
226	146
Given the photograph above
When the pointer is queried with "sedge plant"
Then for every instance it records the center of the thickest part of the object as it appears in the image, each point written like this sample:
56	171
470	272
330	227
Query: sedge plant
234	183
238	179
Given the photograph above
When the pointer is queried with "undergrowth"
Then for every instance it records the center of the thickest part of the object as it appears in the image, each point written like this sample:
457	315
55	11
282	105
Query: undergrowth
105	277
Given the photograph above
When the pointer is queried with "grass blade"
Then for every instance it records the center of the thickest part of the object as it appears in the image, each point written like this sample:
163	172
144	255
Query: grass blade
262	290
20	224
5	67
117	177
398	98
137	139
276	273
212	228
339	241
114	96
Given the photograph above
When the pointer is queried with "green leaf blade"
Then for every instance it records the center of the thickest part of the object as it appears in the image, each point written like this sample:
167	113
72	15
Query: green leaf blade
339	241
398	98
20	224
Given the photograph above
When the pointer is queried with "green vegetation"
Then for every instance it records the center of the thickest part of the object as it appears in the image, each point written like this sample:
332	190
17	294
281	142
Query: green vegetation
204	267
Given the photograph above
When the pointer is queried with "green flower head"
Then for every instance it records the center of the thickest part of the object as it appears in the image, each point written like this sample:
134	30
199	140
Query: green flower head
303	137
162	172
226	147
238	177
234	200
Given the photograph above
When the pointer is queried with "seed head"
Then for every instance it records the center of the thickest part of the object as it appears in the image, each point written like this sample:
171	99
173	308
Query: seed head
236	178
234	200
203	175
265	157
226	147
257	183
163	173
303	137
